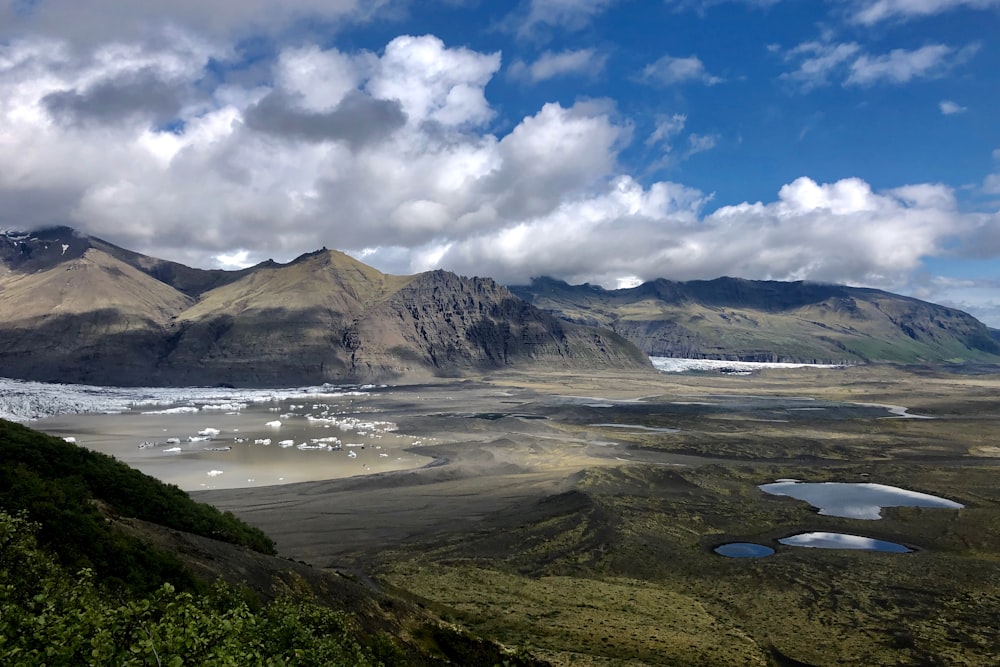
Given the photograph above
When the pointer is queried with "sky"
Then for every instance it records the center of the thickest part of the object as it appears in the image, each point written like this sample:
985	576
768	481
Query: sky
601	141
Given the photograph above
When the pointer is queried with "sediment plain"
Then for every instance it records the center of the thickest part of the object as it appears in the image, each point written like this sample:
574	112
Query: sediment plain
576	515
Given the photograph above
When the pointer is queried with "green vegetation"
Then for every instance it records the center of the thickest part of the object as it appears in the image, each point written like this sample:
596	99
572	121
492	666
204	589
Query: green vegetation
77	589
729	318
51	617
619	569
71	492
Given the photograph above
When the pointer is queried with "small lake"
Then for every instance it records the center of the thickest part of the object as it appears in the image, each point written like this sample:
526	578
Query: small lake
743	550
855	500
821	540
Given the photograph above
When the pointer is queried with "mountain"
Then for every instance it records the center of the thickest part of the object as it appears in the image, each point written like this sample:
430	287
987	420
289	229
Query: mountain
750	320
75	308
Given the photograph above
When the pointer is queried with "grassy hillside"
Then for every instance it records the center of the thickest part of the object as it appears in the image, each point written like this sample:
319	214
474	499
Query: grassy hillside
749	320
70	491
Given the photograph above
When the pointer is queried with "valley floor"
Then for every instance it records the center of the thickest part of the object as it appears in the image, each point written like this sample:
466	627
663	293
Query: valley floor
577	516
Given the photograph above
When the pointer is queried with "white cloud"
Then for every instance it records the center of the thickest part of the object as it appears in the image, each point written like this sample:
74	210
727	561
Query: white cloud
392	156
238	259
866	237
869	12
950	108
667	127
433	82
900	65
566	14
553	64
669	70
821	61
94	21
699	143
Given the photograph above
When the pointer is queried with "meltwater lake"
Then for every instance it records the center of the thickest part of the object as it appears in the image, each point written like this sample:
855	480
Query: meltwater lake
203	439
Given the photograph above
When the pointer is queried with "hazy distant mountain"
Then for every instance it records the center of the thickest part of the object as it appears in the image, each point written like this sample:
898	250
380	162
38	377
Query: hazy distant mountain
78	309
750	320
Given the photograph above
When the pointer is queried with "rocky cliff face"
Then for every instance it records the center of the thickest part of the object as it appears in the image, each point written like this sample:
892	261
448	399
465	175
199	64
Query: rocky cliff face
749	320
78	309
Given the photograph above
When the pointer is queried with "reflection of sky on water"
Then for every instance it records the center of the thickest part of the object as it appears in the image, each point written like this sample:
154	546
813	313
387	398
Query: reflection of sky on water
821	540
853	500
743	550
336	438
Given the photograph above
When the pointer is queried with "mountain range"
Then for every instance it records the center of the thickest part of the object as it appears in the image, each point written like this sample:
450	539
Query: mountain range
75	308
753	320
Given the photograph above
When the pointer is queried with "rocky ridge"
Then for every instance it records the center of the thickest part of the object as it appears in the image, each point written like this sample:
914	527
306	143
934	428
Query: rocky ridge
75	308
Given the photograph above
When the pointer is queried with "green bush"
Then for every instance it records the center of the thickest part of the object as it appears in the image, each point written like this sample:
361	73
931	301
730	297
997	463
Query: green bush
67	489
48	617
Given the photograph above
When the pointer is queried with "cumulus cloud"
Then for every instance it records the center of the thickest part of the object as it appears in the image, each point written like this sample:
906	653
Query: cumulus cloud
669	70
661	231
821	61
553	64
357	119
869	12
97	21
394	157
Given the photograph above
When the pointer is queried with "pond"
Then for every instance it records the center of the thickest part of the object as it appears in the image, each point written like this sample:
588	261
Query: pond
821	540
855	500
743	550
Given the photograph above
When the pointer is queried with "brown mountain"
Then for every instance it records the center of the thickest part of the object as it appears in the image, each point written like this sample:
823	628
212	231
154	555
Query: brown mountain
78	309
752	320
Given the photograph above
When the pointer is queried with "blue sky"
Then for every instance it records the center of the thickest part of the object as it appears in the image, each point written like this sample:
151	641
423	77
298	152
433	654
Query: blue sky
609	141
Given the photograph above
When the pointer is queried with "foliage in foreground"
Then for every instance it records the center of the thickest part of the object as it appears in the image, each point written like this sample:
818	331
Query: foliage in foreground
67	489
49	617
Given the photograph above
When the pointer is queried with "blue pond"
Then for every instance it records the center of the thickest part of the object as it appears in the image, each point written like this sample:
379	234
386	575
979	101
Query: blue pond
743	550
820	540
855	500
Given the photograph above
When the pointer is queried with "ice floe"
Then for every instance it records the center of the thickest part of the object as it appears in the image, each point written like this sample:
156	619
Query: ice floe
22	400
676	365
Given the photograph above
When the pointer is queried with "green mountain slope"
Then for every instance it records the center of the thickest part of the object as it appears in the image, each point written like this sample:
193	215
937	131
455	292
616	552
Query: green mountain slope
747	320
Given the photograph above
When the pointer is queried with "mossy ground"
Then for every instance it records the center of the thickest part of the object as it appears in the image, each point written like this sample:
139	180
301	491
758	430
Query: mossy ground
620	570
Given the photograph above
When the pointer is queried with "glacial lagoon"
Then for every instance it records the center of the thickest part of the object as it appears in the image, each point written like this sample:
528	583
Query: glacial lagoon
212	439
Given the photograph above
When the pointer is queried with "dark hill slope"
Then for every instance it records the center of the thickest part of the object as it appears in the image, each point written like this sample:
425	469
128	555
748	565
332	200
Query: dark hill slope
730	318
78	309
71	491
154	553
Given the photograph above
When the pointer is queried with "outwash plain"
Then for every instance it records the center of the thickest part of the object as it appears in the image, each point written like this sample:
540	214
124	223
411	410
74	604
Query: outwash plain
575	516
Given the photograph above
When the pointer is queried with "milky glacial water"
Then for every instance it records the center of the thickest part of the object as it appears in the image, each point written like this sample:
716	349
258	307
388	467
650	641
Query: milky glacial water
229	445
